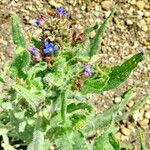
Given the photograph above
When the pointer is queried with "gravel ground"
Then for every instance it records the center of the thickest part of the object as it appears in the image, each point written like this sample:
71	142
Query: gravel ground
129	33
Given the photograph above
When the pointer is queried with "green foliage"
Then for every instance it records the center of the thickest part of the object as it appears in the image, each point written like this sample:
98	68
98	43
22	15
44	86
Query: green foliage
87	31
73	107
114	142
46	104
36	43
120	73
95	43
18	38
22	58
94	85
142	140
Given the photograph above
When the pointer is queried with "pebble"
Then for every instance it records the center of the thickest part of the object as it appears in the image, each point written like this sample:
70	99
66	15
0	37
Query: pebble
147	114
144	122
130	104
124	138
140	4
126	131
118	135
107	5
137	116
129	22
143	25
117	99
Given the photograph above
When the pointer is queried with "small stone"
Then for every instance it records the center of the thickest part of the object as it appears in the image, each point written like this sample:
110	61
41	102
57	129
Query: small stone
107	5
117	99
137	116
118	135
146	43
107	13
129	22
83	7
124	138
140	4
92	34
126	131
147	114
143	25
131	104
144	122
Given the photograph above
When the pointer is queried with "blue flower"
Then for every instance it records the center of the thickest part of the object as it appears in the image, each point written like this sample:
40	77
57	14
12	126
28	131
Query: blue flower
88	70
50	48
62	11
38	22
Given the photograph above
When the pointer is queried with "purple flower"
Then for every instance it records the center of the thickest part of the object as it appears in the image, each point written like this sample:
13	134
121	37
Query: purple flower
62	11
88	70
50	48
38	22
33	51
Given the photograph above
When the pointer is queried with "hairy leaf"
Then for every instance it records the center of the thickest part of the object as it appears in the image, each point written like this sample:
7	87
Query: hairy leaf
79	141
18	38
30	98
120	73
142	140
95	43
89	30
20	63
38	141
114	142
73	107
100	142
94	85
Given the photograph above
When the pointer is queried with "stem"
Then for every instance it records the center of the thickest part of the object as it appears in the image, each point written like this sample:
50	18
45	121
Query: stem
63	107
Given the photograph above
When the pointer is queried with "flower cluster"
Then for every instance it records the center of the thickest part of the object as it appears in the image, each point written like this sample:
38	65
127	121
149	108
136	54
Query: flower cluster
62	11
88	70
49	48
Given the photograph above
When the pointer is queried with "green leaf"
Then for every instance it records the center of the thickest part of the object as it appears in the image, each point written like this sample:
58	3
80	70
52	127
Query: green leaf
97	122
20	63
114	142
100	142
87	31
30	98
64	142
36	43
73	107
35	69
79	141
18	38
120	73
78	120
38	141
142	140
93	85
36	83
95	42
